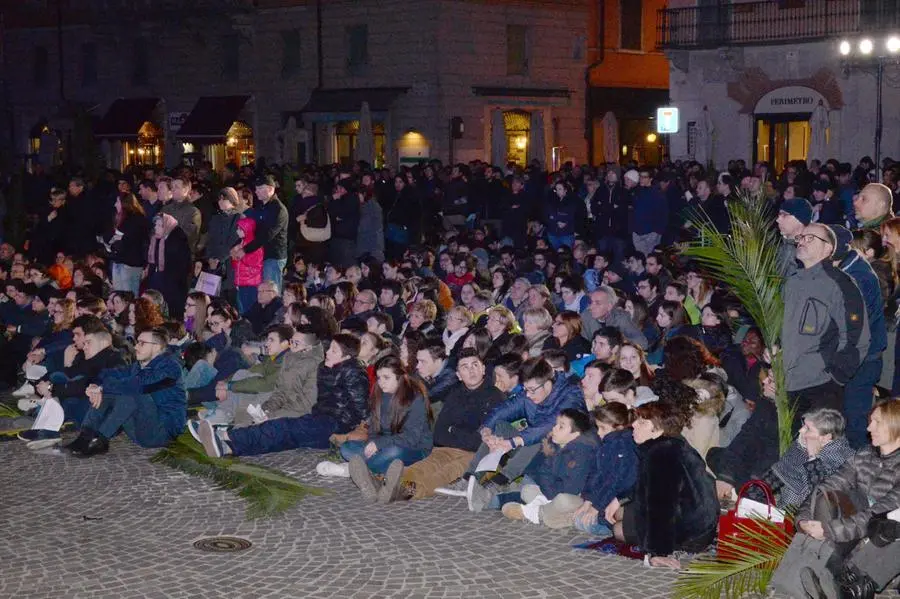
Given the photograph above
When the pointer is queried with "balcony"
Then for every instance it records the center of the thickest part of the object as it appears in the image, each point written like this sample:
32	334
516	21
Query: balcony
772	22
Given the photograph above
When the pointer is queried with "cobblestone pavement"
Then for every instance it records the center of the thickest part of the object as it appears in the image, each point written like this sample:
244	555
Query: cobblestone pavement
333	546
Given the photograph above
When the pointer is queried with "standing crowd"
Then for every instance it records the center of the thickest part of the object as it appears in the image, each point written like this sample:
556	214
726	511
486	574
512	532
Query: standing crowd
530	341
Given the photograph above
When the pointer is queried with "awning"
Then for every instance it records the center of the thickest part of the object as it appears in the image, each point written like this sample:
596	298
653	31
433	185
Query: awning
522	92
211	118
338	103
627	102
125	117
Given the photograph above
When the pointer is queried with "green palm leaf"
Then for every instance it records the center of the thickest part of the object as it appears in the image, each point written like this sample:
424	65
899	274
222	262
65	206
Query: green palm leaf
268	492
746	262
750	566
7	411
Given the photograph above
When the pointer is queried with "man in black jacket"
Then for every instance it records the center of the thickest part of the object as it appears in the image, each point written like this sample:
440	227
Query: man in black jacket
456	432
344	213
271	232
343	402
263	313
609	211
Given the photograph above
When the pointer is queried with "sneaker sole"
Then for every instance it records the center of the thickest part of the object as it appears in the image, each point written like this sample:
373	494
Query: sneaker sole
207	438
193	430
362	477
513	512
469	489
391	482
450	492
43	443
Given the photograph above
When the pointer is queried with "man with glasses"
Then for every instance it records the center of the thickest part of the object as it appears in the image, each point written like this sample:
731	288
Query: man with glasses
264	313
793	216
825	334
545	394
147	400
364	306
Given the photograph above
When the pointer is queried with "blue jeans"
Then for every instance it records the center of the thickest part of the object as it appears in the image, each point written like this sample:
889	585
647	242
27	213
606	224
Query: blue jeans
600	529
557	241
75	409
135	414
246	297
380	461
616	245
858	399
280	434
273	270
127	278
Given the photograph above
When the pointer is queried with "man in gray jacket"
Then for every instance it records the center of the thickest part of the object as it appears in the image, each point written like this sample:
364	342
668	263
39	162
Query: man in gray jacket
824	334
181	209
602	311
296	389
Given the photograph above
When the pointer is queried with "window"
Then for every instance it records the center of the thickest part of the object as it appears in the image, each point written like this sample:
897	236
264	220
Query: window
140	62
630	35
231	59
88	63
290	52
357	47
40	66
516	50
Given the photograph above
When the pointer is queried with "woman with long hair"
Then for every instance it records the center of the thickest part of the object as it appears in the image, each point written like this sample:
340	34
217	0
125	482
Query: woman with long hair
195	314
699	288
633	359
322	324
410	344
399	431
501	283
128	242
169	263
714	330
566	332
671	318
344	294
146	316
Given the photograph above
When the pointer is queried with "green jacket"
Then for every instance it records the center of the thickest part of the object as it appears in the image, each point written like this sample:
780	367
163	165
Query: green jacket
268	370
297	386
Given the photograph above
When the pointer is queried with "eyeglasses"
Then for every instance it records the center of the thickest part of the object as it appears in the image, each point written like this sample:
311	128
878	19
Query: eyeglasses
532	390
808	237
142	342
362	301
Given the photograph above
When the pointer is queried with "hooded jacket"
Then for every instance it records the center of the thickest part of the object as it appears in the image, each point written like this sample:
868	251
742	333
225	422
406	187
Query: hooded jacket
296	388
615	469
343	394
248	270
566	469
825	333
267	368
566	393
869	286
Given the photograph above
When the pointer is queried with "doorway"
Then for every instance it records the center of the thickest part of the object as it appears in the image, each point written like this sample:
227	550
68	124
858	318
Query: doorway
781	138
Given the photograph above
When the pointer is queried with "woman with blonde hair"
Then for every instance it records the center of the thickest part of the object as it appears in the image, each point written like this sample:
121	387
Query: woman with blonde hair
459	320
537	330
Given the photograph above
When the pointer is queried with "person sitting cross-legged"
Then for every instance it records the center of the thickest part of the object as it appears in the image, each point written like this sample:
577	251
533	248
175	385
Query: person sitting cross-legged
456	434
399	431
560	470
147	400
341	405
546	394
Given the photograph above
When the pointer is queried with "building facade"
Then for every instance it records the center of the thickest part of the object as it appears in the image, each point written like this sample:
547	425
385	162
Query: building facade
763	80
160	81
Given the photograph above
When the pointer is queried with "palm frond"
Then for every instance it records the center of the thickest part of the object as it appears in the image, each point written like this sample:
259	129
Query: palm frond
268	492
752	561
8	411
746	262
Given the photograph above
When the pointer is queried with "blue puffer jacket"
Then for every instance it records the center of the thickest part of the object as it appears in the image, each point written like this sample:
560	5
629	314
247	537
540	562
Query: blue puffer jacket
854	265
615	470
162	379
567	469
566	393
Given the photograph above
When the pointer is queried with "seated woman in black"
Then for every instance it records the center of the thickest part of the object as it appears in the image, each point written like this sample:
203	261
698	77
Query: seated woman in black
673	506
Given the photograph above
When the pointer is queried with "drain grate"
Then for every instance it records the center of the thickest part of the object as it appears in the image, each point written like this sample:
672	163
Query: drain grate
222	544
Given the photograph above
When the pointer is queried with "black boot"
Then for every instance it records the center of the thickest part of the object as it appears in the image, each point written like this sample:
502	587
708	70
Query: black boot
81	442
97	445
854	584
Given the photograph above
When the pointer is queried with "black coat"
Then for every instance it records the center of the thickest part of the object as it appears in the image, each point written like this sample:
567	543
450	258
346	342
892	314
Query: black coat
344	213
131	249
459	422
86	372
262	317
343	394
516	209
609	207
173	281
674	502
49	237
271	230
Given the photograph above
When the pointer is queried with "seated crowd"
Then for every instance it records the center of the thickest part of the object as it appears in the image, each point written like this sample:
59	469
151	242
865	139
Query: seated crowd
570	377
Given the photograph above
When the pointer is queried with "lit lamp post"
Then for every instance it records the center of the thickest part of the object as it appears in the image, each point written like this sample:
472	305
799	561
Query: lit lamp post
879	53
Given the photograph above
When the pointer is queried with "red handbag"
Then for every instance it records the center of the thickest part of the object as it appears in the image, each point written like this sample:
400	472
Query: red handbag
734	529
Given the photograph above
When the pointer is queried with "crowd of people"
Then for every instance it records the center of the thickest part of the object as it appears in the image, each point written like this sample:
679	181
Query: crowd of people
530	341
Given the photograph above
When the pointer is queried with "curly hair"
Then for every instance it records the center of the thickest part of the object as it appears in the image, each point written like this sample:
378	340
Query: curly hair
147	315
686	358
676	393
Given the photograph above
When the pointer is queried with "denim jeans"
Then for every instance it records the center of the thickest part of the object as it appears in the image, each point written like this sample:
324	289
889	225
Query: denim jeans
75	409
135	414
246	297
858	399
127	278
599	529
273	270
312	430
380	460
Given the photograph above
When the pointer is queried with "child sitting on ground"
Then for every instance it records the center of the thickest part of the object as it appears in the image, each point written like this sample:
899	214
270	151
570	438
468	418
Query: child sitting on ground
562	467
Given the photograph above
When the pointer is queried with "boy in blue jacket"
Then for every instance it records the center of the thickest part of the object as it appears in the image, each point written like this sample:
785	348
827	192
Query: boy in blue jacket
562	468
546	394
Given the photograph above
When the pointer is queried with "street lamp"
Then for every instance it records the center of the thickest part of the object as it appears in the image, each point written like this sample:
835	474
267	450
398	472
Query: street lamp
866	50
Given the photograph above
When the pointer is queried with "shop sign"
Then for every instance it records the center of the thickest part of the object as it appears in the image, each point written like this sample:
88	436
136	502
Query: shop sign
176	120
667	119
789	99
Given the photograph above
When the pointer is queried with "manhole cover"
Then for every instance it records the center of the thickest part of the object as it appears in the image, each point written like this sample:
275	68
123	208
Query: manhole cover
222	544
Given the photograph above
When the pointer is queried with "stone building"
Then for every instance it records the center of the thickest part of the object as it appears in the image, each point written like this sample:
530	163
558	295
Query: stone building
158	81
761	80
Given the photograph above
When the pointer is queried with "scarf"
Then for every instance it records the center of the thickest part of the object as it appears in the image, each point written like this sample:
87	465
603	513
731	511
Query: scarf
451	339
158	257
800	475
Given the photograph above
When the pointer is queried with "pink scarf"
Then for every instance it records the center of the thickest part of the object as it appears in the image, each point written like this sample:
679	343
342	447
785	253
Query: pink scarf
159	256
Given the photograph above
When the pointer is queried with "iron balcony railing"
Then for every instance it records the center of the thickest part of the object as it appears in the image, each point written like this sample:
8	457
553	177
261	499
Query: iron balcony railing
771	22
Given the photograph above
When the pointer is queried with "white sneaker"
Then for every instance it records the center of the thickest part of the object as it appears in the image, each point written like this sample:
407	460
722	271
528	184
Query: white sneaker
331	469
26	390
458	488
26	405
